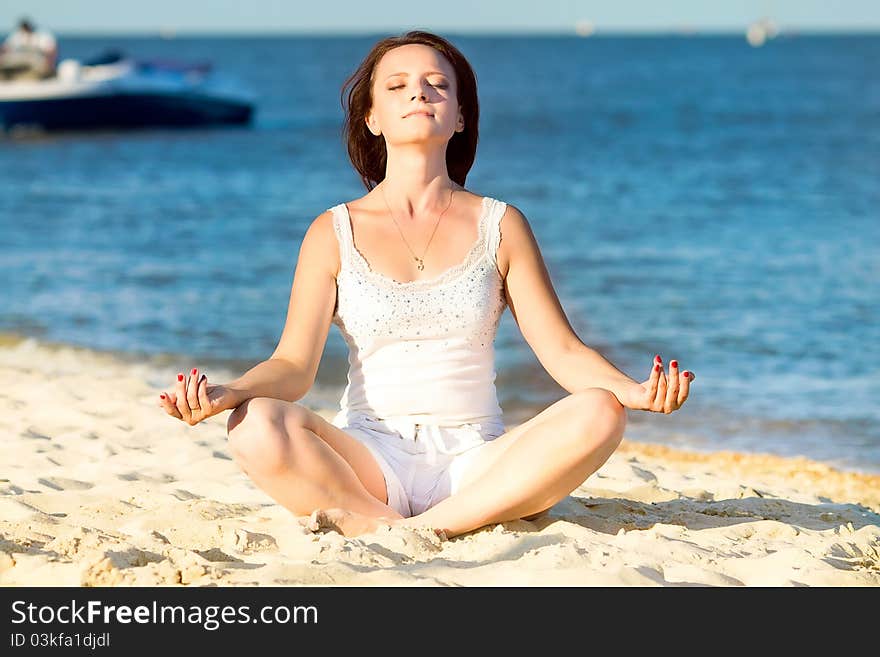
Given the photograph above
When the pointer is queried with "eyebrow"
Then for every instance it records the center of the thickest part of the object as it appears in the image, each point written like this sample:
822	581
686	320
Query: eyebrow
427	73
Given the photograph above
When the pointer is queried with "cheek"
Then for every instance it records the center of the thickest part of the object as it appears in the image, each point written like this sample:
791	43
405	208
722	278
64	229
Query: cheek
386	107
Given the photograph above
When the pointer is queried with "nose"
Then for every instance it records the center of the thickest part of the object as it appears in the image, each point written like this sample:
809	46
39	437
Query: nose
419	91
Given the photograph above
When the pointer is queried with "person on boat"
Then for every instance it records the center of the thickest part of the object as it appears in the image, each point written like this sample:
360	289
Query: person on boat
419	439
28	53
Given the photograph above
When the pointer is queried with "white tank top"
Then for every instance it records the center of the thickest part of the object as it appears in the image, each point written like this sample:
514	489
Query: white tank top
422	349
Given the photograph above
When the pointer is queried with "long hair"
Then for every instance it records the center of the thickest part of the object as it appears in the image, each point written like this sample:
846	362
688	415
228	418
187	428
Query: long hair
367	151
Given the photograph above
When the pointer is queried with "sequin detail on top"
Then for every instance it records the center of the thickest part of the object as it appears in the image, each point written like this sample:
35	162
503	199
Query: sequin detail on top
424	348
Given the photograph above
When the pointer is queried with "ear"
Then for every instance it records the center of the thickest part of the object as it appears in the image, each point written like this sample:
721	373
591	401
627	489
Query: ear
459	126
372	126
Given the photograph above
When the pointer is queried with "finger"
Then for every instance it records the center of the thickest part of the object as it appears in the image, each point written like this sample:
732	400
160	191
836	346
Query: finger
192	390
671	402
653	384
660	399
166	403
654	380
182	405
204	402
683	391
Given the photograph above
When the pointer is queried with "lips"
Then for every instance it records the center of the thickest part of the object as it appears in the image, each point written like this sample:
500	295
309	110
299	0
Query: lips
424	112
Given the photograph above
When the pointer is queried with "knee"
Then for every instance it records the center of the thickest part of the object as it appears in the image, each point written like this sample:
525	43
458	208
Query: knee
599	417
258	437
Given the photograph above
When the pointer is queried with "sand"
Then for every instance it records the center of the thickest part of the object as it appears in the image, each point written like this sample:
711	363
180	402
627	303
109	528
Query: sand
98	487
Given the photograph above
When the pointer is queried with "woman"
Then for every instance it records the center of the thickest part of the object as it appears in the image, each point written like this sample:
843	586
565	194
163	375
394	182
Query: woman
416	275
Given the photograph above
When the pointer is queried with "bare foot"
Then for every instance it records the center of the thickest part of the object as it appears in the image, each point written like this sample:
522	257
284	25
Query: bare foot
347	523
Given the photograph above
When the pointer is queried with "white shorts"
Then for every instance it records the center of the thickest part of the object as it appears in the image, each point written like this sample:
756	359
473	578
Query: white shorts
423	463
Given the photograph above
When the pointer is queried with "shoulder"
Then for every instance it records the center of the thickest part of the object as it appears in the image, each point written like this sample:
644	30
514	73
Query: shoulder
320	246
321	227
513	218
517	238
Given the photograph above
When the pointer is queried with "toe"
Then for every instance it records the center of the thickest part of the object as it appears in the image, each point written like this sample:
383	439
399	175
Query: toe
315	520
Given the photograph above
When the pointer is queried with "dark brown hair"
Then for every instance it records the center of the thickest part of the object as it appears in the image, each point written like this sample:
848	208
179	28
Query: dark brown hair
367	151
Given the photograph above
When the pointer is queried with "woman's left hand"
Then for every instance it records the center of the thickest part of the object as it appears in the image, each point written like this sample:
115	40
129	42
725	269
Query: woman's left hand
657	393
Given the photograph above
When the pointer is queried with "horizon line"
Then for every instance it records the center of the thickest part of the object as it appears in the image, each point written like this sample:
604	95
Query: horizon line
682	32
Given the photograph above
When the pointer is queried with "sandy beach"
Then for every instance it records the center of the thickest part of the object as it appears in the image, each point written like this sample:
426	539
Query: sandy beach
99	487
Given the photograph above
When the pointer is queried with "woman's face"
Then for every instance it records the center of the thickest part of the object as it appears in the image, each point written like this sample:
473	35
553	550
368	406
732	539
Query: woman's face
415	98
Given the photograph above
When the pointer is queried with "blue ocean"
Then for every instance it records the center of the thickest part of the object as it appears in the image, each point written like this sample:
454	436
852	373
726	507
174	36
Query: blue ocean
696	197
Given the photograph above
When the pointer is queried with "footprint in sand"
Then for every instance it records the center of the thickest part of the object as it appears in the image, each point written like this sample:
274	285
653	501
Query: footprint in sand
139	476
32	433
184	495
248	542
217	555
644	475
61	483
214	510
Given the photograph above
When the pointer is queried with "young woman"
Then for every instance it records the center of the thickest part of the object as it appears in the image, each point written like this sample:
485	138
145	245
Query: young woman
416	273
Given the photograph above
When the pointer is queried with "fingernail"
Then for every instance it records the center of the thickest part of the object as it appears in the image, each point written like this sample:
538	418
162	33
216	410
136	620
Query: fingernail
673	363
657	367
194	371
162	396
180	377
658	359
687	374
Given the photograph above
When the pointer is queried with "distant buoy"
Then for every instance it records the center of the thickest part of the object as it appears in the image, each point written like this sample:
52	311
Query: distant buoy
756	35
584	28
761	30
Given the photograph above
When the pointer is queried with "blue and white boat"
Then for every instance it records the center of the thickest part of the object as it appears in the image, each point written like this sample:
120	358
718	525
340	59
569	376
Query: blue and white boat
115	91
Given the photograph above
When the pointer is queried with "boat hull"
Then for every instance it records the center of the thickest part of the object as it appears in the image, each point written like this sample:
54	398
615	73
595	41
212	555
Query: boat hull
129	110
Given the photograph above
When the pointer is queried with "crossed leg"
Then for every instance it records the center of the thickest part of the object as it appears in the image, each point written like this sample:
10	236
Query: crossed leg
304	462
520	474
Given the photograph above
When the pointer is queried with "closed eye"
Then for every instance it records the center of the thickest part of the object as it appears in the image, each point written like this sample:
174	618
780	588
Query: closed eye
438	86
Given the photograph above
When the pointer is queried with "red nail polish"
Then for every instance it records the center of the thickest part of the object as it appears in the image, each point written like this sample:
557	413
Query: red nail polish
162	396
180	377
658	359
687	374
657	367
194	371
673	363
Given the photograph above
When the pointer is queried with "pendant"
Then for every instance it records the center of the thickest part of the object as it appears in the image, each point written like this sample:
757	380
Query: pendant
421	264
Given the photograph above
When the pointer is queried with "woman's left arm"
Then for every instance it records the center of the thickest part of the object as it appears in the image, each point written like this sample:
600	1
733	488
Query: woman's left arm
544	325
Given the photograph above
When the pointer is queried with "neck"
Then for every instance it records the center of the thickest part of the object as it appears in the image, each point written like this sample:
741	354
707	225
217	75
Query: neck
417	184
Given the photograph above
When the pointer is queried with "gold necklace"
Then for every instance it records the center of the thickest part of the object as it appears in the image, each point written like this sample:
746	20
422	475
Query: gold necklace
421	260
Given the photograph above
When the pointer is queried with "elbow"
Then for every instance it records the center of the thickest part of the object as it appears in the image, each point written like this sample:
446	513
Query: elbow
300	378
558	359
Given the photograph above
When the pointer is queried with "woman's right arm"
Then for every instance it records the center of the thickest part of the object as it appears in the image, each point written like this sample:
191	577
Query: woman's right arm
275	378
290	371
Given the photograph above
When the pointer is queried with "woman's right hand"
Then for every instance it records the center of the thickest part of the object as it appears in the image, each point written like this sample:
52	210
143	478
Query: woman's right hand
194	399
